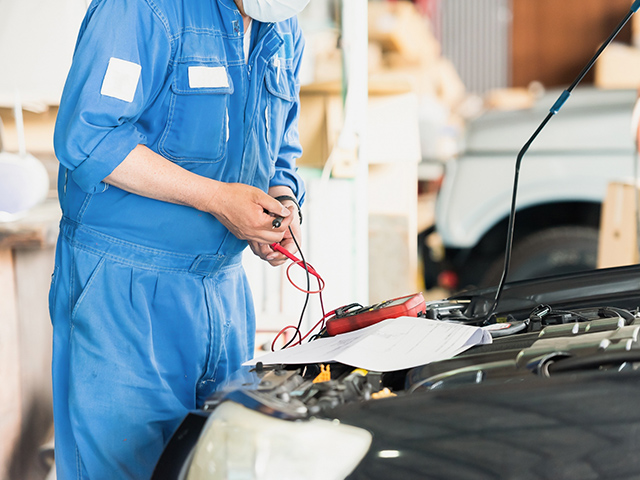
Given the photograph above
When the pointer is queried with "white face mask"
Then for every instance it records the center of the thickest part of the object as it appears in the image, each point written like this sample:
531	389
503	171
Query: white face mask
268	11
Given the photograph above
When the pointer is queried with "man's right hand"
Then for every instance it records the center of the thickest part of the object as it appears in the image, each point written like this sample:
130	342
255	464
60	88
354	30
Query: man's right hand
248	212
240	208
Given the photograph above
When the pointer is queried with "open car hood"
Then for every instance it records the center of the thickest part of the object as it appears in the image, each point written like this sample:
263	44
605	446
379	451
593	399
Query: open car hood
557	399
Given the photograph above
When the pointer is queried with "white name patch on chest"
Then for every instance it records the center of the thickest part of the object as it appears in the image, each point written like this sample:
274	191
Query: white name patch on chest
121	79
208	77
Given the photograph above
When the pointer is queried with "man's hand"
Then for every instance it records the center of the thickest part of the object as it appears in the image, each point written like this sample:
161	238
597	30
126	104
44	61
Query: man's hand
248	213
239	207
264	250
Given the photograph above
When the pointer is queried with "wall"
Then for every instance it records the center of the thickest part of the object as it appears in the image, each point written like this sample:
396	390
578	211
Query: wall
552	40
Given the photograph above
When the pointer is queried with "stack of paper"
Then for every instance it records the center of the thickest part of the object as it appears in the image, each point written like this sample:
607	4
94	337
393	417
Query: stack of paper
393	344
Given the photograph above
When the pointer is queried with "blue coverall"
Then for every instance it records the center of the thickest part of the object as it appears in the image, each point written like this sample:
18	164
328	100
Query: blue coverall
150	306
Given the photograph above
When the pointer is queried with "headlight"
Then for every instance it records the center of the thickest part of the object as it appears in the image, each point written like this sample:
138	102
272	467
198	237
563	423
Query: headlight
240	444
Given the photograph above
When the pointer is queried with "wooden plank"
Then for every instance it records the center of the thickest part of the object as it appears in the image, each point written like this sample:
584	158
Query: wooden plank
10	394
33	268
26	262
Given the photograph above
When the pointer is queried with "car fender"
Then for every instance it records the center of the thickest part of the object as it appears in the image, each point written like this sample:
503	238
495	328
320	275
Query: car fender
586	146
477	189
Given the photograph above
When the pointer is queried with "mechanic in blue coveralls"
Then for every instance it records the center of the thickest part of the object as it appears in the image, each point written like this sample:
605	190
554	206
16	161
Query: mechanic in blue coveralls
177	138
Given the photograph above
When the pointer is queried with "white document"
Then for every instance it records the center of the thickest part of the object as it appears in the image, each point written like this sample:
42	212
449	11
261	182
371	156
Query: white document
393	344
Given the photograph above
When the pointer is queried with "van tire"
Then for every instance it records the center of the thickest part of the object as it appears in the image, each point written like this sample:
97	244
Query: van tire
552	251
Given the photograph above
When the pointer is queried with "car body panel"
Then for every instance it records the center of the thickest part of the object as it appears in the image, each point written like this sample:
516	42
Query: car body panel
576	427
505	410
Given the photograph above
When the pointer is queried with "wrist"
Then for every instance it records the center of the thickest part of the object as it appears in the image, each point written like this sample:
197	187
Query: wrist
292	199
209	201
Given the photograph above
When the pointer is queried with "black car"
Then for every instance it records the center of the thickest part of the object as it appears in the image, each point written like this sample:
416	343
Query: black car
556	395
558	399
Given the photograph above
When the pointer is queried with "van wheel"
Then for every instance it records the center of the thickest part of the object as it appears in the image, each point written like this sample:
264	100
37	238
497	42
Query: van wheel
553	251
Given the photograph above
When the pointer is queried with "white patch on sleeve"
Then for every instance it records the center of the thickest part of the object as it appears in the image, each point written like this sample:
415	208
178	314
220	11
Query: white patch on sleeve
121	79
208	77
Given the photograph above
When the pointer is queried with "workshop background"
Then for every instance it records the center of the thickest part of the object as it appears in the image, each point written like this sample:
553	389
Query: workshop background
372	167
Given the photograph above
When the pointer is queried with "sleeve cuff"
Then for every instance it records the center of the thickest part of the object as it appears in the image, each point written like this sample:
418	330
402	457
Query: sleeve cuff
292	180
107	155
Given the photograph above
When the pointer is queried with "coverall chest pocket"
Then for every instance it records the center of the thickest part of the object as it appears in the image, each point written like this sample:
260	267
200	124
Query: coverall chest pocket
280	84
197	128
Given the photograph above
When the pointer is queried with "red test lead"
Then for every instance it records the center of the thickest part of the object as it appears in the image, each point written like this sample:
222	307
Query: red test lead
279	248
310	270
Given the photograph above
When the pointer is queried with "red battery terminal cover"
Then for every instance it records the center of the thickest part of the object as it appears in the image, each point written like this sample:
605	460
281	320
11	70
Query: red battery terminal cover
408	306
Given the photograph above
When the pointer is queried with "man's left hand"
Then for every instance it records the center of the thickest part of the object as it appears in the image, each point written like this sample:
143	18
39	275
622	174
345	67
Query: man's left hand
264	251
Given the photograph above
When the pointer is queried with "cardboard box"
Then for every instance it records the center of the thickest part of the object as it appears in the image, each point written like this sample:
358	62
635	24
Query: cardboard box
319	125
392	124
399	28
618	67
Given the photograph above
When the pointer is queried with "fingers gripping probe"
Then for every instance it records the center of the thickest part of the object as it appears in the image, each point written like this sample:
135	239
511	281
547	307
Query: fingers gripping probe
277	222
280	249
277	219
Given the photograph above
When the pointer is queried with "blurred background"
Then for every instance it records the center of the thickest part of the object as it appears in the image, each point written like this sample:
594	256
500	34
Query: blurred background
412	114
